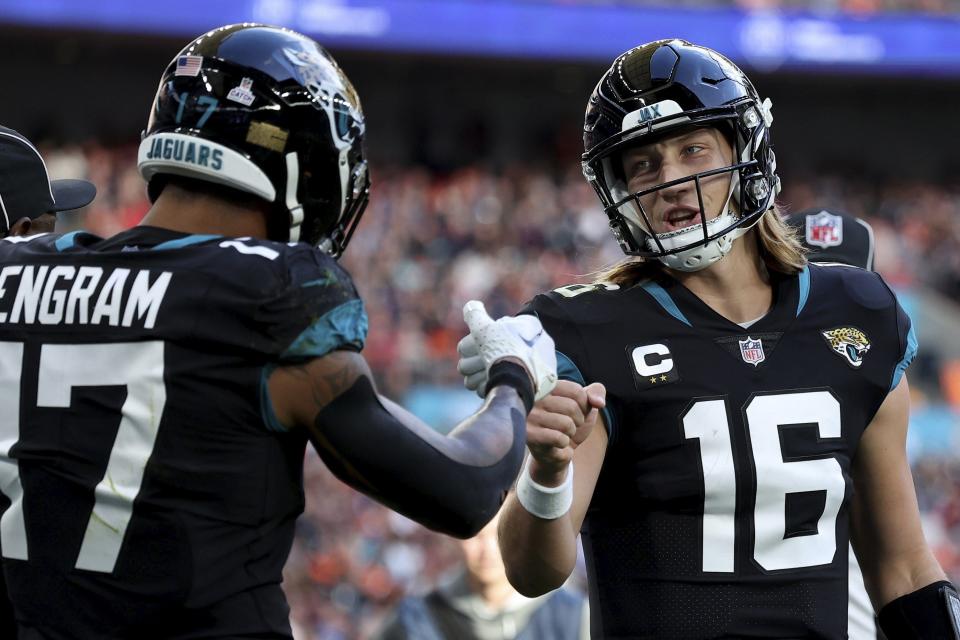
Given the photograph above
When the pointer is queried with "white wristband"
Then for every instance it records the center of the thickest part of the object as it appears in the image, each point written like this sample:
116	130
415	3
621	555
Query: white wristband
548	503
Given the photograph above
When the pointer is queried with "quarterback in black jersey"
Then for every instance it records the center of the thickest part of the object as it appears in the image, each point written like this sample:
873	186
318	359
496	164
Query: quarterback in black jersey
755	407
159	386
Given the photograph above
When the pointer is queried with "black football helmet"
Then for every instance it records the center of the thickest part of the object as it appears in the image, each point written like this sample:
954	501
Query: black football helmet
659	89
267	111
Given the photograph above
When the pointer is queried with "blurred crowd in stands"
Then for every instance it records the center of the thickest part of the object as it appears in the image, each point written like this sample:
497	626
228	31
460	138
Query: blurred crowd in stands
429	242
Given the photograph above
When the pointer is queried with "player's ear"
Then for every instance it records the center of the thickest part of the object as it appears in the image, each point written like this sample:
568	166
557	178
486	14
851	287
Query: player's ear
21	227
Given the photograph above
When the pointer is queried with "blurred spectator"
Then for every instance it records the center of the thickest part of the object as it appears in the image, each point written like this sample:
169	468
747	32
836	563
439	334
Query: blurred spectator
478	603
352	560
29	202
29	198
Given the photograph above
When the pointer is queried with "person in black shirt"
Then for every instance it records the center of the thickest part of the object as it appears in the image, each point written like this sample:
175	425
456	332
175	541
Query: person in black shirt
29	202
159	386
29	199
753	406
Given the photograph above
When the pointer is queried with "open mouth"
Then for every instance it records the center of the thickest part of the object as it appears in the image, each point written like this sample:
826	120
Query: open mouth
680	218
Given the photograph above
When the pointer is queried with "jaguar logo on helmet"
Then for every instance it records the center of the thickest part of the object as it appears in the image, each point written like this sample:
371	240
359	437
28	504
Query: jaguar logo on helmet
315	71
272	115
323	80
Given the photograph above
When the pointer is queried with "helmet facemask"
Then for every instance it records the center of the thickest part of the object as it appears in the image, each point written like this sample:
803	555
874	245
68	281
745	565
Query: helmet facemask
665	89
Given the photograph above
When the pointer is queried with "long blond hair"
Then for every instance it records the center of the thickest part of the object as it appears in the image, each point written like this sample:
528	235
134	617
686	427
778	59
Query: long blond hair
780	248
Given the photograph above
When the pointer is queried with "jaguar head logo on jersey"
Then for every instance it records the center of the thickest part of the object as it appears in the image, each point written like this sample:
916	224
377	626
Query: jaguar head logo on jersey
824	230
752	351
849	342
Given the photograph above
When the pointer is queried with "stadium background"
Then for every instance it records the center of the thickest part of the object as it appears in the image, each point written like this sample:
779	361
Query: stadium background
474	112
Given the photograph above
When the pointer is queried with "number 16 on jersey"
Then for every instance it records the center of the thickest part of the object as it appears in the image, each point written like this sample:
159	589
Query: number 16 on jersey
708	422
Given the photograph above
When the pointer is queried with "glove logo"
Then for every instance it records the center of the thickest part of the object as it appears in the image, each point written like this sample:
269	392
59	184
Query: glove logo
532	341
521	338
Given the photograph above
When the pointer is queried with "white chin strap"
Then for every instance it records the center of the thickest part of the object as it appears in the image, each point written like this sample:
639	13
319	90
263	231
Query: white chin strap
702	256
293	205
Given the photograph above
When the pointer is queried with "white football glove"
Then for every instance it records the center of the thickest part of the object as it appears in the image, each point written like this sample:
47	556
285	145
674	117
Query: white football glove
489	341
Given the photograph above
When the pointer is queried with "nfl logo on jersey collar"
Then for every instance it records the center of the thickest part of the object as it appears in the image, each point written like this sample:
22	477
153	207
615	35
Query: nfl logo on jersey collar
752	351
824	230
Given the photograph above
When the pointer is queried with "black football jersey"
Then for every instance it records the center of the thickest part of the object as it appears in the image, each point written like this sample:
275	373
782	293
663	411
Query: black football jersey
152	490
721	510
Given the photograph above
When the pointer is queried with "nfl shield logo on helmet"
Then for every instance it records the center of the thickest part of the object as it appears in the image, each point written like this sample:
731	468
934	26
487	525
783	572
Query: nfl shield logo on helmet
752	351
824	230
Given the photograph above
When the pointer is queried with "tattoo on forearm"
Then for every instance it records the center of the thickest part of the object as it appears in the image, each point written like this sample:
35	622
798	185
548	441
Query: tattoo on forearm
332	383
338	372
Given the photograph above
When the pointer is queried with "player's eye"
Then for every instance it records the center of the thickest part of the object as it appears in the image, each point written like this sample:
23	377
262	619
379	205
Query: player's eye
693	149
640	166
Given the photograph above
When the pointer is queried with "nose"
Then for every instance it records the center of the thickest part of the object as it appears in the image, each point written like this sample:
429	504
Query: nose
669	171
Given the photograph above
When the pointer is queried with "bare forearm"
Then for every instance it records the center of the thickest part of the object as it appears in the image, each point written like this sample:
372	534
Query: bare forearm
893	578
539	555
885	519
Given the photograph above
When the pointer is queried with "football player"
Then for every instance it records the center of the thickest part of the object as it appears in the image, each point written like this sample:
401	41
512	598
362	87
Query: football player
747	392
159	386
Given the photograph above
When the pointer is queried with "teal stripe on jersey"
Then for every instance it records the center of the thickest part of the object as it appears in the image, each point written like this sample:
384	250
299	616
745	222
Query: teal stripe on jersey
266	405
185	241
804	289
66	241
567	370
345	325
661	296
908	355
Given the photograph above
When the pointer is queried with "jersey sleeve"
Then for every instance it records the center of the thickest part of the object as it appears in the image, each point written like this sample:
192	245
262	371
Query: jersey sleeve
572	358
908	345
317	310
877	294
